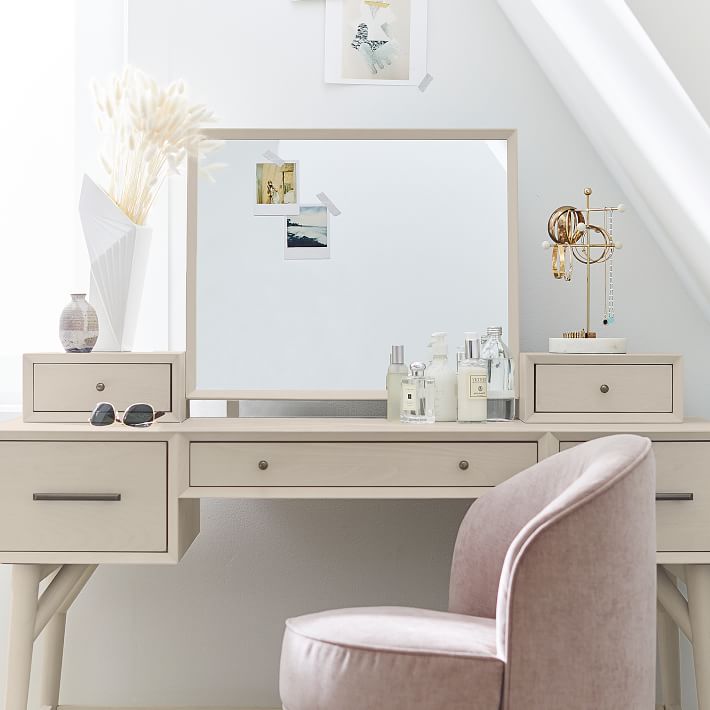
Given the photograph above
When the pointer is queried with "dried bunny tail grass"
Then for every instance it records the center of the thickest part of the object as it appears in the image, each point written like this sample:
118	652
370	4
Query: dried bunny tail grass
148	132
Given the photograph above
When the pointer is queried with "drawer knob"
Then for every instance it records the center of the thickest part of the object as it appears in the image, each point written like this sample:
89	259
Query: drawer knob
604	389
263	465
100	386
463	465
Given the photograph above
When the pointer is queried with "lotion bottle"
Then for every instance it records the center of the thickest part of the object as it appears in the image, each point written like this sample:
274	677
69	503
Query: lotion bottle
445	405
472	382
396	372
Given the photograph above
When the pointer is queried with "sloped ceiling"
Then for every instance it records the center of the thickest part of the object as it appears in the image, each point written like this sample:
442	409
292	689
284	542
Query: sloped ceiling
637	115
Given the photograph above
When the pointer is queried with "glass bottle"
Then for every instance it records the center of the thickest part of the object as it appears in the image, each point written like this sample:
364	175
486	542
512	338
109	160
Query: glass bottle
500	368
396	372
418	396
472	382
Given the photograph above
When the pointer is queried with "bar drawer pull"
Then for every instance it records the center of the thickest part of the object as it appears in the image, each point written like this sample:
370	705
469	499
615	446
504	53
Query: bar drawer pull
674	496
81	497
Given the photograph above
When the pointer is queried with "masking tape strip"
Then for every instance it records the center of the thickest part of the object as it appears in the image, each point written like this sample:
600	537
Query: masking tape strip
424	83
328	203
273	158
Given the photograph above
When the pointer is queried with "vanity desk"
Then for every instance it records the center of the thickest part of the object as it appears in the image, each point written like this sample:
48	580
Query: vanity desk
73	496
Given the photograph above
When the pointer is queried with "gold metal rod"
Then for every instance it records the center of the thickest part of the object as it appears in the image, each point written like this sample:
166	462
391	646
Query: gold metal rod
588	192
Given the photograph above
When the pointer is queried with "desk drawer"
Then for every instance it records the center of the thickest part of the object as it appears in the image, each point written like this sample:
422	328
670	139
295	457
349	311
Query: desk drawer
81	496
357	464
74	387
682	469
603	388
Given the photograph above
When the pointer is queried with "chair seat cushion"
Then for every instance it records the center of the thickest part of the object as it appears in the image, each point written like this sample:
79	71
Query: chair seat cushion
390	657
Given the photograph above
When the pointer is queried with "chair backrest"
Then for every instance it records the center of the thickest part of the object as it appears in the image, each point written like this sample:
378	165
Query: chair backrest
563	556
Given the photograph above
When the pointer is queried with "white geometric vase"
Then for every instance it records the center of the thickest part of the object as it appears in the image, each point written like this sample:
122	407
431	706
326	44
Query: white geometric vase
118	250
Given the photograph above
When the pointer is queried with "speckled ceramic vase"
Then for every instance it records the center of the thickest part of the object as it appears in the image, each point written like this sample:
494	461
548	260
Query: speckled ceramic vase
78	325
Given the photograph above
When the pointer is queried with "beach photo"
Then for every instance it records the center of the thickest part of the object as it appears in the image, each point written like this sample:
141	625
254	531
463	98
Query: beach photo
276	189
307	234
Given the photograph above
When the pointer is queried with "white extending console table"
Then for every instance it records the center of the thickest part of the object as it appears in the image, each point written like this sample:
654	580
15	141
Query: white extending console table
73	497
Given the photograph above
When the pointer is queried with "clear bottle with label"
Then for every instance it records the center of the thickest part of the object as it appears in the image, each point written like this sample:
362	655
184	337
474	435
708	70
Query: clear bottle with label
396	372
445	405
472	382
500	367
418	394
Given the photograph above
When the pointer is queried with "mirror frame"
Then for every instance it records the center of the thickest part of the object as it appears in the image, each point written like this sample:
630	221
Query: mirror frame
513	332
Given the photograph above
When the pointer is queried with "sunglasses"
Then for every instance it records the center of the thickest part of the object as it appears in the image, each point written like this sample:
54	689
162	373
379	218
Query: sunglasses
137	415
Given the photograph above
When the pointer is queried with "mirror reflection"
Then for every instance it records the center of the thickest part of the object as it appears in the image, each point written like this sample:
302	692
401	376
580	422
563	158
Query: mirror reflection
315	256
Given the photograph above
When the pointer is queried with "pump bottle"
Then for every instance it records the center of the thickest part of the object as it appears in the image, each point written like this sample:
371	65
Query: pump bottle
445	405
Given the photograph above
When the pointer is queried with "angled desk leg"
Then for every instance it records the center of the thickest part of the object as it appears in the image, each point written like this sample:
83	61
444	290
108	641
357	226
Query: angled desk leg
30	615
698	580
23	613
668	660
53	639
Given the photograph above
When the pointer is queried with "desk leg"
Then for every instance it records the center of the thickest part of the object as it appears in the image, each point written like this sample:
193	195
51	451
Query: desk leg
53	639
23	611
668	660
698	580
53	646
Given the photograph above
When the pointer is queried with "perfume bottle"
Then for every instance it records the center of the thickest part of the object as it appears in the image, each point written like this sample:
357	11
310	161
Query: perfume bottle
418	395
444	377
472	382
500	367
396	372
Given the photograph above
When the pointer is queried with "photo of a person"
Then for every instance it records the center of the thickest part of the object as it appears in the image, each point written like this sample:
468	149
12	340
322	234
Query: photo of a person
276	189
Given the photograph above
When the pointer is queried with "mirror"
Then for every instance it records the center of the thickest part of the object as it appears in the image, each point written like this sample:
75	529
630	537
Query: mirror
287	299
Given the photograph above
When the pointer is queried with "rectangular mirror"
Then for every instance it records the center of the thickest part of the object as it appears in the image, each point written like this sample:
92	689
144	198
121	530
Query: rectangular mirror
289	300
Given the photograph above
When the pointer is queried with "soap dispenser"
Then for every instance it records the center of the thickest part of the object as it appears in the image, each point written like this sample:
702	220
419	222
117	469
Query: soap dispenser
445	405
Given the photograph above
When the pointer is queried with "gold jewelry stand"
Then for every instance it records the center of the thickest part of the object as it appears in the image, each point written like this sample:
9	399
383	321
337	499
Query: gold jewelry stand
575	238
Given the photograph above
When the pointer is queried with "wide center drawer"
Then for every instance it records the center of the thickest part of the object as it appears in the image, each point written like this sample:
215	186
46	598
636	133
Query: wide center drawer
358	464
83	496
77	387
682	495
603	388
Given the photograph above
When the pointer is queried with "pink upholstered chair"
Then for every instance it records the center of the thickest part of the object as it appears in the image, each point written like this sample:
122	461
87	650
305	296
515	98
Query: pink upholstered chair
552	604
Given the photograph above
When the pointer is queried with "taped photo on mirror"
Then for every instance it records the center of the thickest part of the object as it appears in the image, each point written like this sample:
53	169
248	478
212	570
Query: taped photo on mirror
277	188
375	41
307	235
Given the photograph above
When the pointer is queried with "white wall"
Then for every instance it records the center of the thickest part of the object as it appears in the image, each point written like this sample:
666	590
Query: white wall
681	36
208	631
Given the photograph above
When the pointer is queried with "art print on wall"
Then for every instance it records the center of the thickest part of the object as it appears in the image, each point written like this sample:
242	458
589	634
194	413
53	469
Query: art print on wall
276	189
375	41
307	234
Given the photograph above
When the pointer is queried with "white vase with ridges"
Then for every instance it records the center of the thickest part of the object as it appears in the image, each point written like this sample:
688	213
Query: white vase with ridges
118	250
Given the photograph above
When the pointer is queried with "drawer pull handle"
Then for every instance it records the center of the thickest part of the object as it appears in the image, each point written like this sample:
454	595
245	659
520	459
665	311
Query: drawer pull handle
81	497
100	386
263	465
604	389
674	496
463	465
